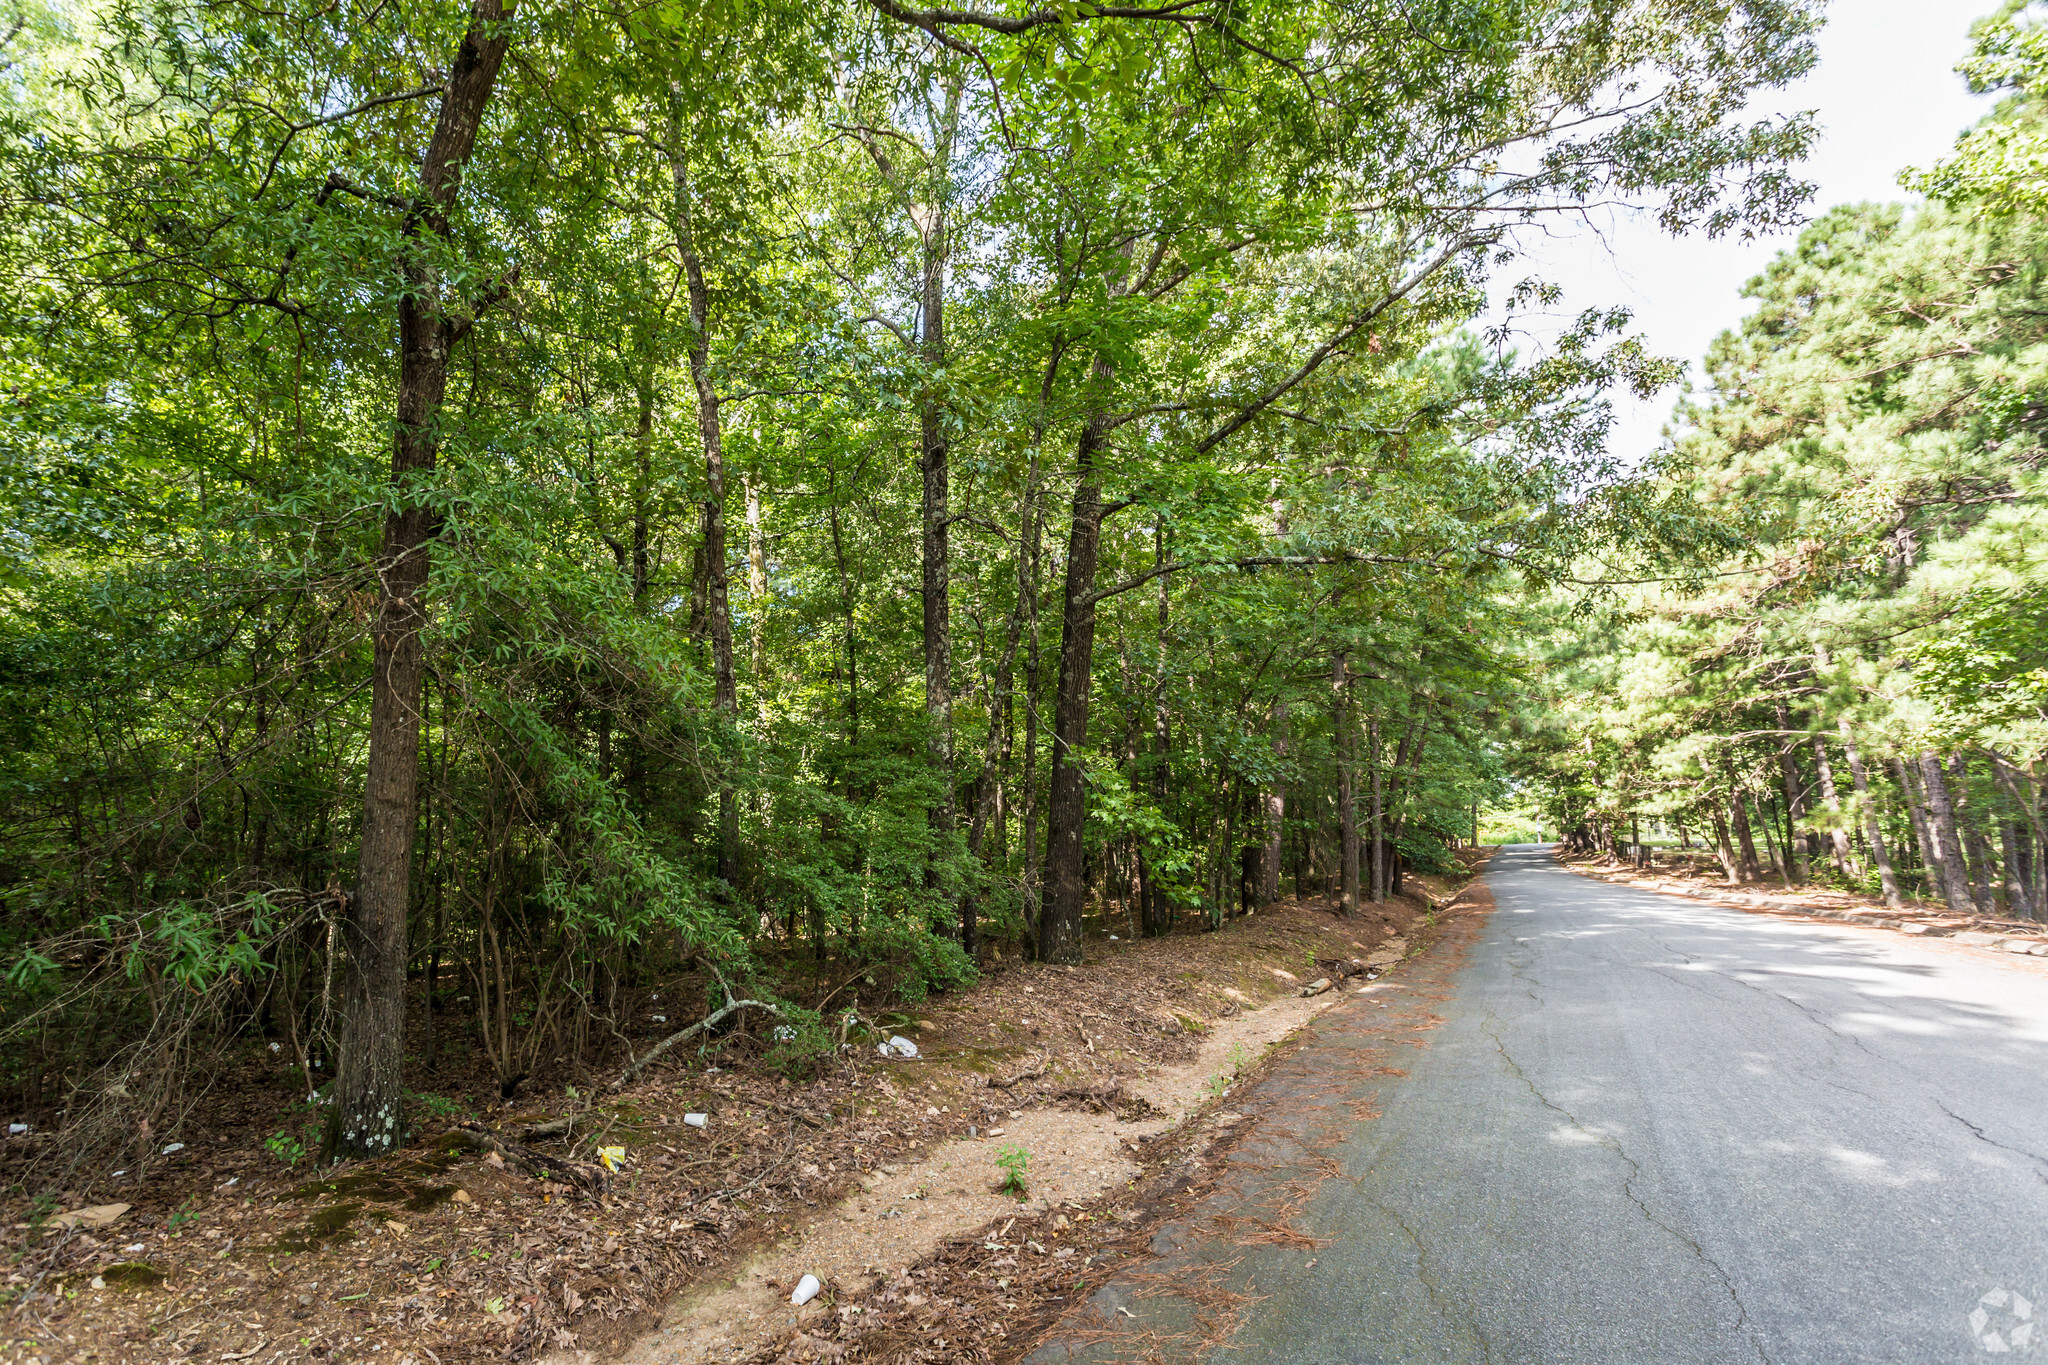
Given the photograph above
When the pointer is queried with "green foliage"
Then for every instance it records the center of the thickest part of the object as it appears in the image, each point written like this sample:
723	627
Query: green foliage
440	1106
209	218
800	1045
285	1146
2002	164
1014	1162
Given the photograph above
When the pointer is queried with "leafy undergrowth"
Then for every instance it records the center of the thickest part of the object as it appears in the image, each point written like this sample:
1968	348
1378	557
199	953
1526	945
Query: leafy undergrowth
437	1254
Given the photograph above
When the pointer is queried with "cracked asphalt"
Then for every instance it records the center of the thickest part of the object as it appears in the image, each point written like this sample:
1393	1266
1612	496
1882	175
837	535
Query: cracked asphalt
1638	1129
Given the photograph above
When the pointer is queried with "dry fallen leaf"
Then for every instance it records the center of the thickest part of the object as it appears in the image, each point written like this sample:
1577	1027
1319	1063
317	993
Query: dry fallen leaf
97	1216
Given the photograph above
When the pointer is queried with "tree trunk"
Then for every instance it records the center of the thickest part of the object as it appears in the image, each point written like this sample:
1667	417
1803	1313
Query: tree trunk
642	560
2033	876
711	433
1379	812
1751	871
1347	805
1067	802
1158	910
1412	745
1027	781
1724	850
2013	840
852	636
936	514
1916	817
1770	845
990	781
1795	803
1879	855
1970	832
1941	836
1276	814
1844	856
757	587
367	1116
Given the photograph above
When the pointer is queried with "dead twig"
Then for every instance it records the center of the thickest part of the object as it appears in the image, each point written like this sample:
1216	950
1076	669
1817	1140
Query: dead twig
553	1128
799	1114
1031	1074
709	1021
594	1180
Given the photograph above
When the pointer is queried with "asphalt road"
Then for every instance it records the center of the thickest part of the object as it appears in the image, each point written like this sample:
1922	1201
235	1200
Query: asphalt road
1642	1131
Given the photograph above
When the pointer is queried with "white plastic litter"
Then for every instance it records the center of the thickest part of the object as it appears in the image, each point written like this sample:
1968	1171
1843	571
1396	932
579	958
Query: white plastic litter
174	1147
16	1129
659	1018
806	1289
897	1046
697	1120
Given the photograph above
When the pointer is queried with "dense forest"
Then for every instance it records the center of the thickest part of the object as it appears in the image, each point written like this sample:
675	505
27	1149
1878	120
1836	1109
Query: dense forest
1860	687
503	505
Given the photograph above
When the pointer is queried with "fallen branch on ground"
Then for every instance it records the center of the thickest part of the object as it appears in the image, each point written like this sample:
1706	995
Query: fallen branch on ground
553	1128
592	1179
711	1020
1032	1074
801	1115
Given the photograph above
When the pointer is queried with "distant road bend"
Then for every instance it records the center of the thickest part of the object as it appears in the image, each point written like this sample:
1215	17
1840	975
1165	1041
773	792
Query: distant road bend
1633	1130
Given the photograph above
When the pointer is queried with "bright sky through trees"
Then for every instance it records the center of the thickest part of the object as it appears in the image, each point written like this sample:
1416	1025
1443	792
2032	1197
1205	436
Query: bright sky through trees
1887	96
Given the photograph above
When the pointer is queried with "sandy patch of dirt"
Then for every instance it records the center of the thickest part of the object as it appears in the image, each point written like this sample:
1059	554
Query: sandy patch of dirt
905	1211
989	1292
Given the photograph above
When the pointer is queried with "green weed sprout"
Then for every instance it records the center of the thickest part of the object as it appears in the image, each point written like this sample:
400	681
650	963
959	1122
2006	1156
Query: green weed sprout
1014	1161
285	1147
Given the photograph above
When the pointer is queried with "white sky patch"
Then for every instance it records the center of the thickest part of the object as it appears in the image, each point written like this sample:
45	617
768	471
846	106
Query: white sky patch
1887	97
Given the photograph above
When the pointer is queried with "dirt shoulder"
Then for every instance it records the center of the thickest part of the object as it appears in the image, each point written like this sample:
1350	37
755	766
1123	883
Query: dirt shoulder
1917	918
983	1277
438	1254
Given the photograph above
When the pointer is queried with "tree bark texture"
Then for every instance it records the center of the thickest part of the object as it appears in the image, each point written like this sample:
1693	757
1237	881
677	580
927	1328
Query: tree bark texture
1879	854
711	434
1844	855
1751	869
2015	845
1347	804
1724	850
1795	804
367	1116
1946	849
2033	876
1067	800
1970	834
934	469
